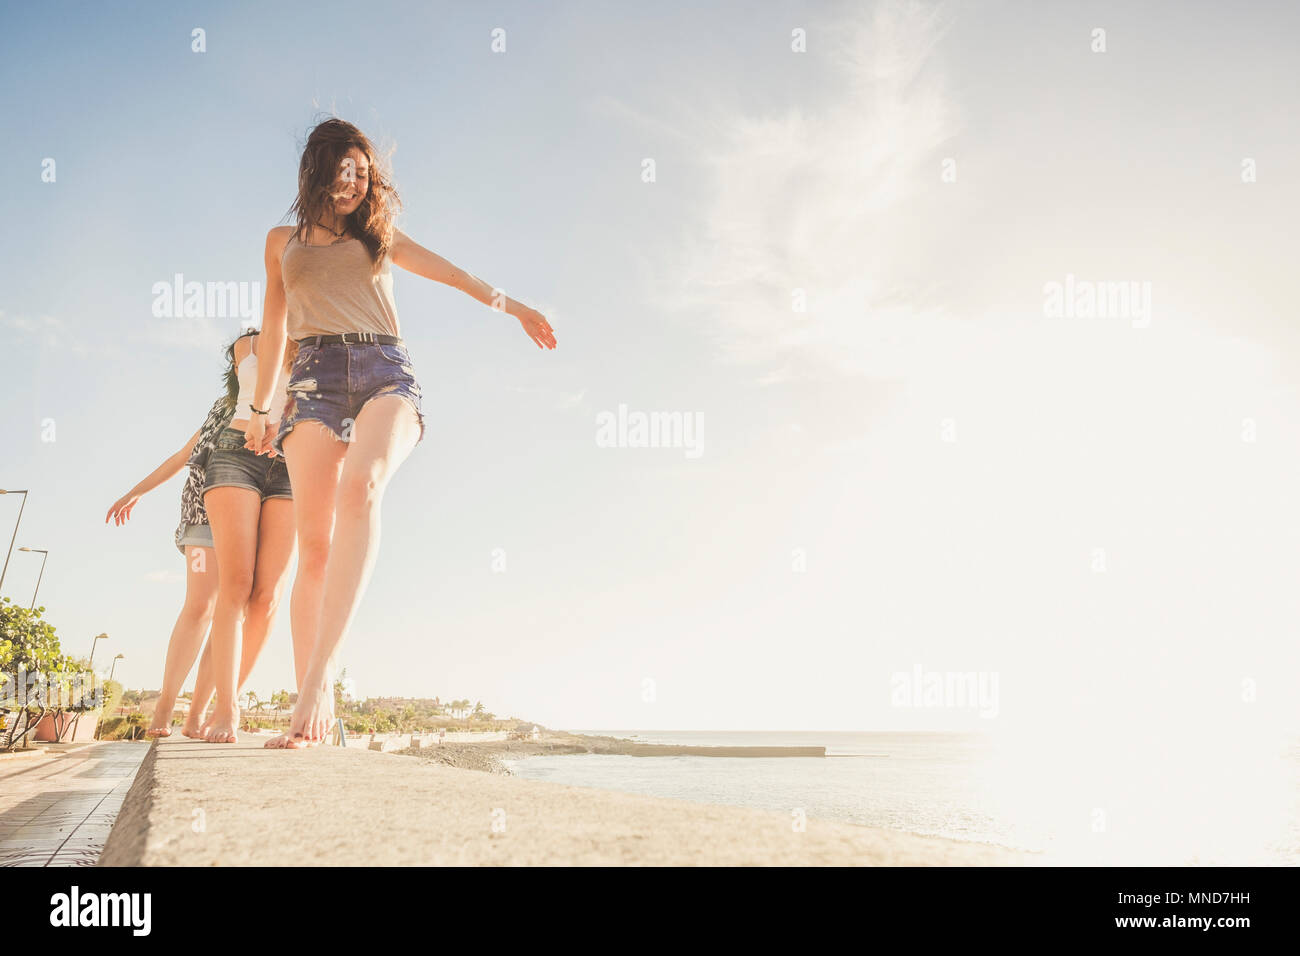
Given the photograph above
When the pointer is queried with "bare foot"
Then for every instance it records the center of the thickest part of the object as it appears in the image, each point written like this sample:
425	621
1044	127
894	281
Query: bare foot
195	726
220	728
313	716
161	725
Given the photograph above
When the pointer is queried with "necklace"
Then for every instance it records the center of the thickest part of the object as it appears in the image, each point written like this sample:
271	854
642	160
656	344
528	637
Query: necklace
337	235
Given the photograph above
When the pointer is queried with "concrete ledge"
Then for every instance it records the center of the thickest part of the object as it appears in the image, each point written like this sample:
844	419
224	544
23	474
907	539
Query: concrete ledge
23	753
197	804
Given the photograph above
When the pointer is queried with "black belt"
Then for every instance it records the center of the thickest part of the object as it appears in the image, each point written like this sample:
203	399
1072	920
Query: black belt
351	338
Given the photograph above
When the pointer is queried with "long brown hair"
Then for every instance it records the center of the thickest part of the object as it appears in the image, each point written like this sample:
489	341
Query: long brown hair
318	173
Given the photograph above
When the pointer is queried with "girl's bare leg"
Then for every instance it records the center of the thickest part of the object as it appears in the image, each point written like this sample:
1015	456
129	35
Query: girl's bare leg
234	515
275	547
315	460
187	634
195	725
385	432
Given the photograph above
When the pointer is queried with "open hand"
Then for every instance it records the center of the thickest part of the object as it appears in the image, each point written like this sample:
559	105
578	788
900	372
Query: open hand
121	510
538	329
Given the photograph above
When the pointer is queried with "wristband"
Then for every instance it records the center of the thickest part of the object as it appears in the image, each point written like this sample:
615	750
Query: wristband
259	411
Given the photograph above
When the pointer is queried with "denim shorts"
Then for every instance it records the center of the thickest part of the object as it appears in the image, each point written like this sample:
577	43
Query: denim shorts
199	535
331	383
231	465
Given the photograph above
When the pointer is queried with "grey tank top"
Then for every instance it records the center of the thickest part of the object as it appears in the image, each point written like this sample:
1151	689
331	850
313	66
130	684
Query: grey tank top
334	288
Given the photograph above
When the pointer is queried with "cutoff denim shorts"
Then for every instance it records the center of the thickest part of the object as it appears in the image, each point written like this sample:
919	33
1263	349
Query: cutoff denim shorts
199	535
331	383
231	465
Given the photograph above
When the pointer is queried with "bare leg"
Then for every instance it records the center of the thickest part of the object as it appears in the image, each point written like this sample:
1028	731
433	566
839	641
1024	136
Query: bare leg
275	547
195	725
385	432
187	634
315	464
274	553
233	513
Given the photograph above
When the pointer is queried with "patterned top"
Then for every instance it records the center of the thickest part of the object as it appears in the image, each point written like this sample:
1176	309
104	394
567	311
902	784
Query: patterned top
192	510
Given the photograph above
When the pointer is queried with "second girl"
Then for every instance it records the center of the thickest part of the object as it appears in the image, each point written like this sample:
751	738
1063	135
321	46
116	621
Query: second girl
249	503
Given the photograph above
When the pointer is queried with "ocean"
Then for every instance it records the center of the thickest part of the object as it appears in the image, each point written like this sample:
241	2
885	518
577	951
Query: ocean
1070	807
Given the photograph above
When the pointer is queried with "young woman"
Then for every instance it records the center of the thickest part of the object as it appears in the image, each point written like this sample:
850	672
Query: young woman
194	540
249	501
354	410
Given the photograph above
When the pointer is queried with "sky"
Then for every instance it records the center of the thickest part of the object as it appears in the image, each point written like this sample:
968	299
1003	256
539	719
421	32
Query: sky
827	236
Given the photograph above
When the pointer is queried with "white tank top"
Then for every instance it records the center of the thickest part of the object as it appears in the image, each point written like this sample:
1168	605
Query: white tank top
247	372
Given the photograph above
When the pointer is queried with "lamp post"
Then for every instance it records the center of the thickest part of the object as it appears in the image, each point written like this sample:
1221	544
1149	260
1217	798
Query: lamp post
98	637
39	576
112	670
15	534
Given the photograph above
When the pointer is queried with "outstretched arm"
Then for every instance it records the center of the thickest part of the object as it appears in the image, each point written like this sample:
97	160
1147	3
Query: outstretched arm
121	509
413	257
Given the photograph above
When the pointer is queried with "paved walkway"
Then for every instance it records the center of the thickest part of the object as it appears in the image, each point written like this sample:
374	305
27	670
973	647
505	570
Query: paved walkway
56	809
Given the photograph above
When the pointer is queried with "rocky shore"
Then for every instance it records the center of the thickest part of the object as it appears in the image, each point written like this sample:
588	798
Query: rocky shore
489	755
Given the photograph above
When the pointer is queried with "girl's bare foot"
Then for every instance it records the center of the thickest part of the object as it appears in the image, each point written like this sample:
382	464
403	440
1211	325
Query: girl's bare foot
161	725
220	728
191	728
313	716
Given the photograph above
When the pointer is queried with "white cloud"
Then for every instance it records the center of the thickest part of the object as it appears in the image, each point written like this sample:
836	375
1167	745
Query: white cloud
166	577
832	200
571	400
50	331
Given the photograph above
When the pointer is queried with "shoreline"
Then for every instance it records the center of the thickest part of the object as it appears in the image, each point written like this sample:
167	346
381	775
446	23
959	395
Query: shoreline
489	756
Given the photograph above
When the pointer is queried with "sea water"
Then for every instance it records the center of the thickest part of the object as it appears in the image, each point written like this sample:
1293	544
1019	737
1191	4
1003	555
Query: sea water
1071	807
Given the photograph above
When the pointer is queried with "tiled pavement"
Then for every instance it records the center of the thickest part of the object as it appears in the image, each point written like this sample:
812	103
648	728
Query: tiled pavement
57	810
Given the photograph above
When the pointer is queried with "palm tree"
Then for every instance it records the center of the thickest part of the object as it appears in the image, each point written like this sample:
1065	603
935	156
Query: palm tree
253	702
280	699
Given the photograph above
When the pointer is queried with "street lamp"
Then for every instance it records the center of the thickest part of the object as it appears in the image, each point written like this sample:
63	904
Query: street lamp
113	669
98	637
39	576
15	534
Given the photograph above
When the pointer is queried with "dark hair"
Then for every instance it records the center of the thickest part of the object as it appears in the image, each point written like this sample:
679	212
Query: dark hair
231	375
318	175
